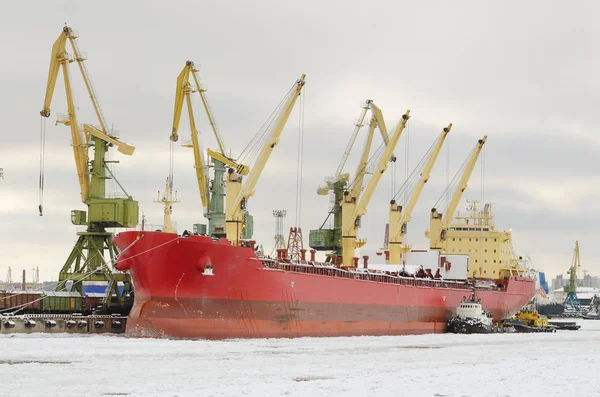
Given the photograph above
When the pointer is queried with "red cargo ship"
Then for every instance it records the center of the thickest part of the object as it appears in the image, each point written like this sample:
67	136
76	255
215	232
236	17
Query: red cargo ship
199	287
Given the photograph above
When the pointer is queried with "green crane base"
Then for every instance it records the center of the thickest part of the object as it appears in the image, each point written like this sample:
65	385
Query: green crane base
93	267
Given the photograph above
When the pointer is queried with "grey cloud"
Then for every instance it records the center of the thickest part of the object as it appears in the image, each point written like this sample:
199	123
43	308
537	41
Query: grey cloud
523	73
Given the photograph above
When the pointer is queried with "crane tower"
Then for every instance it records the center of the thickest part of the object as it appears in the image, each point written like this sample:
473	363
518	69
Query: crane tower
93	255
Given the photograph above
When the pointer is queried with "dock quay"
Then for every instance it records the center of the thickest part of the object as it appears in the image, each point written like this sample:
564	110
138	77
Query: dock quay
62	323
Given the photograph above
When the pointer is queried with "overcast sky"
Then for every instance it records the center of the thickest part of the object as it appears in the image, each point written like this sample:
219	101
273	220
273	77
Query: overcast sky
523	73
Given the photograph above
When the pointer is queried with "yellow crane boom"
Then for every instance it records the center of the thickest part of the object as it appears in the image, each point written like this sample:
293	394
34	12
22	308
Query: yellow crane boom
438	223
237	194
60	58
361	170
375	121
399	216
353	207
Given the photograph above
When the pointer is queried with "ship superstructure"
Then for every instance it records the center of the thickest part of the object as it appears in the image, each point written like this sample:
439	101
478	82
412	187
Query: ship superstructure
490	251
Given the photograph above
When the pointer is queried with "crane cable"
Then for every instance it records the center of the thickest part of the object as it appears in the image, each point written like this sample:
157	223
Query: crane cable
250	153
42	161
406	189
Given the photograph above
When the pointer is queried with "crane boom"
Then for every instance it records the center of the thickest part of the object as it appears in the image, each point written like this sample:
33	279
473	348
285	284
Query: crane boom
385	158
361	171
238	194
207	108
58	58
80	139
399	216
439	223
376	118
359	124
353	207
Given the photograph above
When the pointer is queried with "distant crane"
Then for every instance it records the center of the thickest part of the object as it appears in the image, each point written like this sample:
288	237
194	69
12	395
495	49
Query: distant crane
571	289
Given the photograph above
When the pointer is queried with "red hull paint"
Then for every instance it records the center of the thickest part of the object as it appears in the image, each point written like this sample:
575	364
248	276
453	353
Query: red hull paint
174	297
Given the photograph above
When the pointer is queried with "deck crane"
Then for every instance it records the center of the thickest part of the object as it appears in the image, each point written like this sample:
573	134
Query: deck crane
571	289
400	215
211	194
438	224
238	190
354	204
331	239
87	260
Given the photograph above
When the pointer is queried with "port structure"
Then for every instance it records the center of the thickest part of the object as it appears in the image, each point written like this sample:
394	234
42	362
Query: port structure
400	214
279	242
571	289
330	238
93	255
212	192
259	150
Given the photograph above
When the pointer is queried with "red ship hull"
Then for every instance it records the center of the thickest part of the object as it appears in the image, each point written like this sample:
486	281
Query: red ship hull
178	295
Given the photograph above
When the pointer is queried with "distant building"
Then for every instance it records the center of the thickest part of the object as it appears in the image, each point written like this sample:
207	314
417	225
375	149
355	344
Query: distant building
587	281
558	282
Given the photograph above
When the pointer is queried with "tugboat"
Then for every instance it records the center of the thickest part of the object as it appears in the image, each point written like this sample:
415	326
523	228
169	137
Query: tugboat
529	320
472	318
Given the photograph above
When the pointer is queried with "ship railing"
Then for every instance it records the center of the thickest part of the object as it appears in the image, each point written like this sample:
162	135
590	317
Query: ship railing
380	277
139	228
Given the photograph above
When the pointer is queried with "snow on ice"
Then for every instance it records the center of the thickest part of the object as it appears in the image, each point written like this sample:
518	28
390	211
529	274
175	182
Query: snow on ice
553	364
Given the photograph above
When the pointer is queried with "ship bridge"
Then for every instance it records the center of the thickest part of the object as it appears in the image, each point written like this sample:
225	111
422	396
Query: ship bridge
490	251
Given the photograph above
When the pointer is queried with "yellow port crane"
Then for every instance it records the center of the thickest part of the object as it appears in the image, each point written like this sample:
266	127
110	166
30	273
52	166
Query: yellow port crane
400	215
438	224
87	260
354	204
330	239
183	91
238	190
